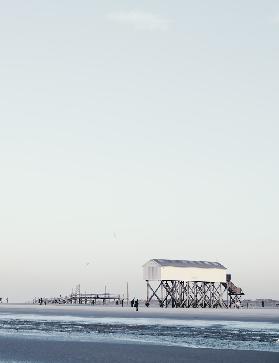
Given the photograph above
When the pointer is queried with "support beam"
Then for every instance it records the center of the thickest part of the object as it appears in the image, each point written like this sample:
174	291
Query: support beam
192	294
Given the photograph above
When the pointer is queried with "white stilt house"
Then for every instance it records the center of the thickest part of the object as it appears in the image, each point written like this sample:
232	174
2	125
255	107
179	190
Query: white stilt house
184	283
183	270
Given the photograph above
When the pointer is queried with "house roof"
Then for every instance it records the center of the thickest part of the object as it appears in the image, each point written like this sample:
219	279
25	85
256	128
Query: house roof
186	263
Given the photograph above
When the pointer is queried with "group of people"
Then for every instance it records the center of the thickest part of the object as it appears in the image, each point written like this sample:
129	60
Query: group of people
42	301
120	302
135	304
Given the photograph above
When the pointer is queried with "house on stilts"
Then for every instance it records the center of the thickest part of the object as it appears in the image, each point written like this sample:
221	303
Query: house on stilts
190	284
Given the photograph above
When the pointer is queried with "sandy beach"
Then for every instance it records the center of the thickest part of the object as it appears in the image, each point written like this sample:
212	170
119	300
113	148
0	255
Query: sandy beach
65	333
249	315
42	351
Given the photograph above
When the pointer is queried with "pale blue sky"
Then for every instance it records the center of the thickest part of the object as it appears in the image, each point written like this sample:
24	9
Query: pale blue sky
134	130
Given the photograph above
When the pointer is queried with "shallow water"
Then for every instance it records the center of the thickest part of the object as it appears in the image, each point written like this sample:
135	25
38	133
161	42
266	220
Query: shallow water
261	336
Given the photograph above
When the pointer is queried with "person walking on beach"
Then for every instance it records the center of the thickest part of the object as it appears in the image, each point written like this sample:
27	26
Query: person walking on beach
132	303
137	305
122	302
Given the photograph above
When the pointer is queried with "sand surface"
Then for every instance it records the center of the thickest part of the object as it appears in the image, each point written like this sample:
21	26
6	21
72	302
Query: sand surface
43	351
19	348
253	315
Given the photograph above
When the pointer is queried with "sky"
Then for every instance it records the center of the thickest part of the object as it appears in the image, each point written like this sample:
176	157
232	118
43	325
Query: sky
136	130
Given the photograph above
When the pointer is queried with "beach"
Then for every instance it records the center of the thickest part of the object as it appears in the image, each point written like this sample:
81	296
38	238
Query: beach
74	333
249	315
42	351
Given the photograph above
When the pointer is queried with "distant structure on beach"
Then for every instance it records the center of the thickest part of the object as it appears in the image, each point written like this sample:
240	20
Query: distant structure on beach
196	284
261	303
77	297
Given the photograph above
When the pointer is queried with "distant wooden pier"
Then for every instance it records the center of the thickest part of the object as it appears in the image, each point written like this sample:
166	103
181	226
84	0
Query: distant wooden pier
92	298
81	298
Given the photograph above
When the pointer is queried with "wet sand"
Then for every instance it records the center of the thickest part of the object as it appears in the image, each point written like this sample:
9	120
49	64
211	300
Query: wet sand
17	348
47	351
252	315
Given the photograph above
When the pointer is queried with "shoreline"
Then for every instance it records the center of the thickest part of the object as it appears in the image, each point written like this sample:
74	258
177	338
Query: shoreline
104	311
18	348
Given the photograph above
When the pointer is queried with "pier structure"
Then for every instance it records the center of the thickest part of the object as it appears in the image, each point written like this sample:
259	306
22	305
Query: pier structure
83	298
91	298
78	297
190	284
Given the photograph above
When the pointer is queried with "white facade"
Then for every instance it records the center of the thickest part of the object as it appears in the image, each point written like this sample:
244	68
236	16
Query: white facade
184	271
151	271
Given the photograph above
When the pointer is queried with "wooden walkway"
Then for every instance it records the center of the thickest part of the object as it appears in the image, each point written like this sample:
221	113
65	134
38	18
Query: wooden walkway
82	298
